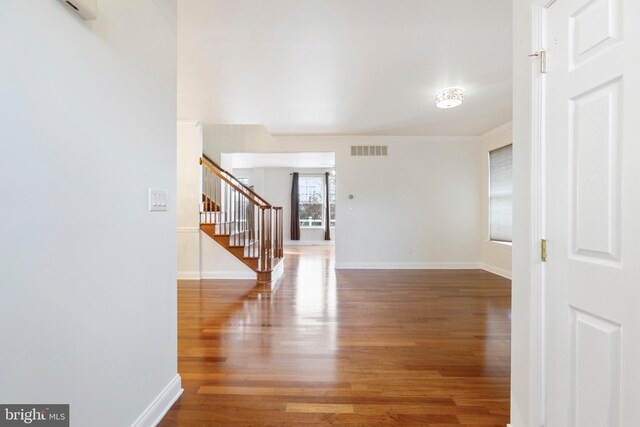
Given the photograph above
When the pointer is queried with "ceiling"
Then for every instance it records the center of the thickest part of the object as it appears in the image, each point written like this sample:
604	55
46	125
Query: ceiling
360	67
283	160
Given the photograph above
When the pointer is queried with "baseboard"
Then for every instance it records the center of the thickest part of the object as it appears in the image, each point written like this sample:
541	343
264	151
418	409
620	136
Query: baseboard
422	266
154	413
278	271
188	275
309	243
408	266
497	270
229	275
188	230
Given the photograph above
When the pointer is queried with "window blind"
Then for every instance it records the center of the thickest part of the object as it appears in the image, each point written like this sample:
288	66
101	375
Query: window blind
500	194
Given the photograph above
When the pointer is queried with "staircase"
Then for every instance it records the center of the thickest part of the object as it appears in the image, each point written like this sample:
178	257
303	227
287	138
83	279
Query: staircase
241	221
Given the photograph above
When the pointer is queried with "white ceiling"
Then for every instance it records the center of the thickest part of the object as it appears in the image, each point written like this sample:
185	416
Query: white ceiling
283	160
345	66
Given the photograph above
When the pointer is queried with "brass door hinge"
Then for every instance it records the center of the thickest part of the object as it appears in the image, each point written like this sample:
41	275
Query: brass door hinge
543	250
542	56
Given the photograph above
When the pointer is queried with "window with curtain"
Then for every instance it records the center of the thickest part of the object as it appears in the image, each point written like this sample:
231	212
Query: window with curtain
310	190
332	200
500	194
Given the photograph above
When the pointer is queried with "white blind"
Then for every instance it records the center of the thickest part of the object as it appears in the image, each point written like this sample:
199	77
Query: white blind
500	194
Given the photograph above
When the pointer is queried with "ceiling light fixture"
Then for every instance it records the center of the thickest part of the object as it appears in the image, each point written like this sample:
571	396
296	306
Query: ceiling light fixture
449	97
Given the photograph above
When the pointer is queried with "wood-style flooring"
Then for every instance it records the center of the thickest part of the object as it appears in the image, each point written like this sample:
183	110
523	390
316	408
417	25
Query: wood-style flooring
345	347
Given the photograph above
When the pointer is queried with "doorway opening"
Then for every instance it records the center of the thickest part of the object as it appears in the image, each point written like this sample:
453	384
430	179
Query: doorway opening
309	207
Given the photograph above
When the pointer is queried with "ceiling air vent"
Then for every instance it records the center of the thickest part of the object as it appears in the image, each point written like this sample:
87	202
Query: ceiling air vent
368	150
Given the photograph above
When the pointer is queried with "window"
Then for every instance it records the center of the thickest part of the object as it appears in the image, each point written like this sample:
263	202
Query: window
244	180
500	189
332	200
311	193
310	190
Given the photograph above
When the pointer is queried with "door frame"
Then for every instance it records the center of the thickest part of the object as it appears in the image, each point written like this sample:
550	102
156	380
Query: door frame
538	195
529	136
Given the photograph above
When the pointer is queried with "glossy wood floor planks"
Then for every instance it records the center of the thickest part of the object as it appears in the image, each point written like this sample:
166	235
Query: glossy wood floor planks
345	347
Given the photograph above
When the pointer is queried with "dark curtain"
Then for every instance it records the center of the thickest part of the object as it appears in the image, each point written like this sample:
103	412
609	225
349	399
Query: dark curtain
295	208
327	222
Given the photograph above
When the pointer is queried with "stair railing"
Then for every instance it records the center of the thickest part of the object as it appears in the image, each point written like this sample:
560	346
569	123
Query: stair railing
236	210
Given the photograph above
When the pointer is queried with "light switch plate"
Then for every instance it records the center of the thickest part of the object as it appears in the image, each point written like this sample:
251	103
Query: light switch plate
157	200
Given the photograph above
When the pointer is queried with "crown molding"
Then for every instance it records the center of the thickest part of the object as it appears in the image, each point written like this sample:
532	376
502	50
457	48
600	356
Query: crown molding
507	127
375	139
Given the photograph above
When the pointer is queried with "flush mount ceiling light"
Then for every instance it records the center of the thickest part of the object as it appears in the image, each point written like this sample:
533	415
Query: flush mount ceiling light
449	97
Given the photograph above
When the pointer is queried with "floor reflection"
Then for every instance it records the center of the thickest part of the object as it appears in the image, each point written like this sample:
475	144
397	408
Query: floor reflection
358	347
298	320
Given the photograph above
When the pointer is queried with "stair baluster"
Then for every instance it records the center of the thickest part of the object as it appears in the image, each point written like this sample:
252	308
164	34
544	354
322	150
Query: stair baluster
240	220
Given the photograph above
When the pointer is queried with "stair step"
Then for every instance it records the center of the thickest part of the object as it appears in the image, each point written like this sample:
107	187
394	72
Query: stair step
209	205
220	223
245	244
225	228
265	268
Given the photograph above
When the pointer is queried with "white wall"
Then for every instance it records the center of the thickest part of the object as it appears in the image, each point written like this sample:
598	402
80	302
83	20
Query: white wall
199	256
418	207
189	151
255	176
496	257
402	215
88	293
217	263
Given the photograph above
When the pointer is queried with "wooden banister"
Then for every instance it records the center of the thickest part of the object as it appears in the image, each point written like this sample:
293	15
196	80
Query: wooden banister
234	186
246	187
228	215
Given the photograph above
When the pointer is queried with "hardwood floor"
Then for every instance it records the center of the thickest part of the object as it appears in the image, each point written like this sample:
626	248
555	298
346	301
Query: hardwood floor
345	347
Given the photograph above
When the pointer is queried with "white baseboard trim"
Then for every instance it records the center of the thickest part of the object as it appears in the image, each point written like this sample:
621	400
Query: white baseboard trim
278	271
188	275
408	266
309	243
188	230
229	275
497	270
154	413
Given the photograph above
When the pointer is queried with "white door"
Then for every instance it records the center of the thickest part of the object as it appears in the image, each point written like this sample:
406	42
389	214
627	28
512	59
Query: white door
593	214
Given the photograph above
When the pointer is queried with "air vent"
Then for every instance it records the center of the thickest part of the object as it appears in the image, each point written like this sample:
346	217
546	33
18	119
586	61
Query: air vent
368	150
